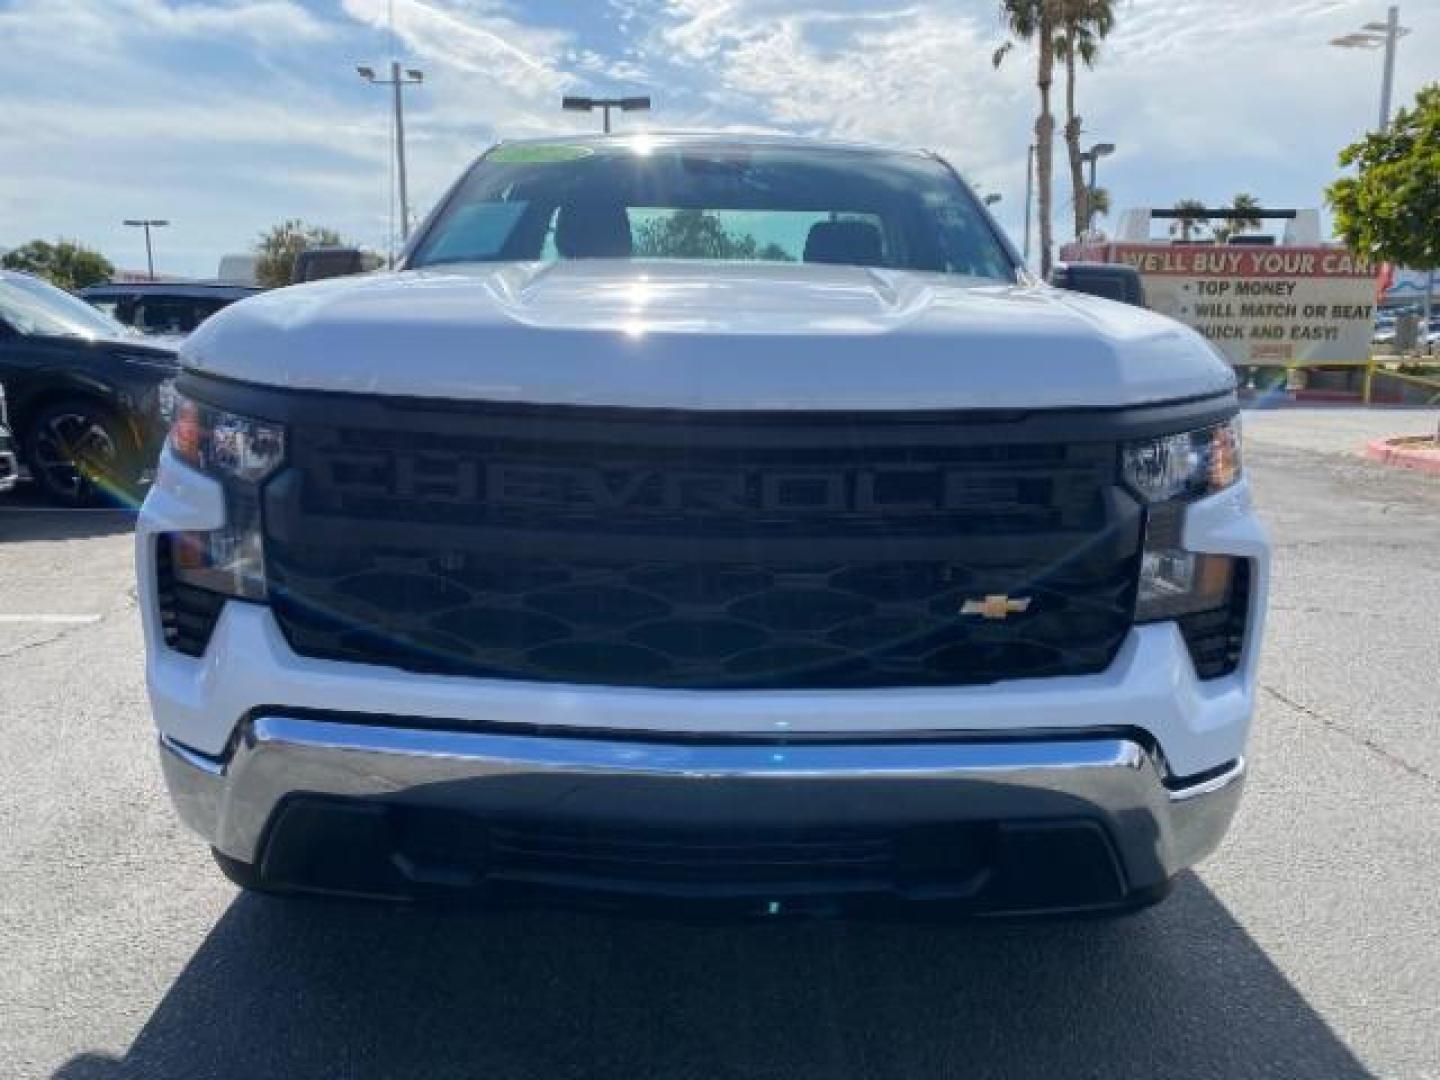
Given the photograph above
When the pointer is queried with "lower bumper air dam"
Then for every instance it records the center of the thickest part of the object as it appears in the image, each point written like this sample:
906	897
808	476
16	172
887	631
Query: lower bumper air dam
1025	825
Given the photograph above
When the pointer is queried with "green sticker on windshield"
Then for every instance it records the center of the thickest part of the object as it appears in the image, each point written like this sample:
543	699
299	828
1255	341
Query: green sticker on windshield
537	153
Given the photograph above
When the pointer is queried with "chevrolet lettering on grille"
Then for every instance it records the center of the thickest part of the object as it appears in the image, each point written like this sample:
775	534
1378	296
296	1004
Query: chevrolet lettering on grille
444	478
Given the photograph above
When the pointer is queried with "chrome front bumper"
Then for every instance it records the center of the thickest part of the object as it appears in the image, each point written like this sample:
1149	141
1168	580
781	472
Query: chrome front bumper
1156	826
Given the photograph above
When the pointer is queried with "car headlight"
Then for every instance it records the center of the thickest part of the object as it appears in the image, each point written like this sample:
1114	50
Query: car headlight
1186	466
165	400
1167	473
241	453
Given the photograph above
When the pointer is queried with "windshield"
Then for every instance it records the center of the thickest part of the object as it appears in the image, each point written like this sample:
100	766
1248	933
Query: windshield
32	306
723	203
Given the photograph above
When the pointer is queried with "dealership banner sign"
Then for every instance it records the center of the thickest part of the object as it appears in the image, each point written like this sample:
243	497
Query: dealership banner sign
1258	305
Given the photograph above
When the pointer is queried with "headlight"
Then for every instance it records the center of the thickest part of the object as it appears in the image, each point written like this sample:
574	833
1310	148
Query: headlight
1168	472
241	453
165	400
1186	466
224	444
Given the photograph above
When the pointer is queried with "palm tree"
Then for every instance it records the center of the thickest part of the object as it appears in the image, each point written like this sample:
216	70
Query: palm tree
1035	20
1191	217
1080	27
1244	216
1098	202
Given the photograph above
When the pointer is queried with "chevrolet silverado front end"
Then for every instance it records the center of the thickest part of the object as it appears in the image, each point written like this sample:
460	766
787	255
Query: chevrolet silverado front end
711	521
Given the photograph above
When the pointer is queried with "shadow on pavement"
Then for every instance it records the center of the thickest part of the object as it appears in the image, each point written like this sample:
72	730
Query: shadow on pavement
25	516
320	989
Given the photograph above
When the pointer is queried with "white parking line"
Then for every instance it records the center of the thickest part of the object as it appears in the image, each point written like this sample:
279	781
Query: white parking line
62	620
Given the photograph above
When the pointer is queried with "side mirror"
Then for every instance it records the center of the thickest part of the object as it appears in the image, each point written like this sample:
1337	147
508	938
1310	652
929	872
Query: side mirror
1113	281
315	264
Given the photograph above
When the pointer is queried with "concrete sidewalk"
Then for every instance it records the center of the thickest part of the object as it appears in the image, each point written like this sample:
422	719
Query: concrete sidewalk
1331	430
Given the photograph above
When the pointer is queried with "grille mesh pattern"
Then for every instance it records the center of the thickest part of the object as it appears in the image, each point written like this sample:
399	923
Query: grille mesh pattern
669	624
815	564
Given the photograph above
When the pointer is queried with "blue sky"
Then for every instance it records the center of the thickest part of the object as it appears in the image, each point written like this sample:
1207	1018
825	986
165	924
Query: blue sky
228	116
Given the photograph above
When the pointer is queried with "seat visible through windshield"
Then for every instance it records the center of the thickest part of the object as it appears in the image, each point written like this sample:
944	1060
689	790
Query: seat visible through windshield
781	204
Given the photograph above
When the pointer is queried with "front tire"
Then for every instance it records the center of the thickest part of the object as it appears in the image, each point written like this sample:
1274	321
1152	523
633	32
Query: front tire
81	454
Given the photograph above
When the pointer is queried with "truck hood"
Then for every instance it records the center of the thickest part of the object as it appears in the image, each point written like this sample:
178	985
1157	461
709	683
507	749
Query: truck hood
707	336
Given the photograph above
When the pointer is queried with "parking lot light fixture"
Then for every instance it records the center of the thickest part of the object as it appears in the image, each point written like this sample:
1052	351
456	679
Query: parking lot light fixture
1378	35
147	224
398	80
573	103
1092	157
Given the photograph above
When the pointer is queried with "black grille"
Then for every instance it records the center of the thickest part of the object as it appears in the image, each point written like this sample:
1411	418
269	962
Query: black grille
187	614
1216	639
397	849
700	860
690	551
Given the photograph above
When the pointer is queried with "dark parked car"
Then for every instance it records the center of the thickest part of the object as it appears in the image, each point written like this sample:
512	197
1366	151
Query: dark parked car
164	308
9	464
89	400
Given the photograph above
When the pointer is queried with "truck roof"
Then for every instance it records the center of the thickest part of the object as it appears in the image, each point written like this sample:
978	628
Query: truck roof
736	139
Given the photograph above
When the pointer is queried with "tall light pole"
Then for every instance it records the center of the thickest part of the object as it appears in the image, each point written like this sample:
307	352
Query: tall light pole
147	224
1093	156
586	104
398	79
1377	35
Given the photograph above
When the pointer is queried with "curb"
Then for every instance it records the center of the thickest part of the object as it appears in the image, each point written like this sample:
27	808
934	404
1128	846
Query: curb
1402	457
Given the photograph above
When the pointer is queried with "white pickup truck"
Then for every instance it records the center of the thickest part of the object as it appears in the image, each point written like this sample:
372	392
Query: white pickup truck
724	522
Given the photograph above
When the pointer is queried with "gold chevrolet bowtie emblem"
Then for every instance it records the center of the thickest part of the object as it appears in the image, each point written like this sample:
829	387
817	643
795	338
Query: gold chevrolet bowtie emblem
996	607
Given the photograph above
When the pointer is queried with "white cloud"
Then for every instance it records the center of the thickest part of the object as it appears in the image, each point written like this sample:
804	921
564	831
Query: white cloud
1204	97
227	115
83	24
481	39
266	22
204	112
885	76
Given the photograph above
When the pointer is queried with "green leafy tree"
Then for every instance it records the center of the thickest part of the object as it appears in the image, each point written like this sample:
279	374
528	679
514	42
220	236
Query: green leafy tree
1389	211
65	263
1190	221
1080	27
1036	21
276	249
1244	216
695	234
1099	201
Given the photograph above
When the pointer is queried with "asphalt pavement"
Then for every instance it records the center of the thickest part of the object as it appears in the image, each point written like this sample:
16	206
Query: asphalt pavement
1309	946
